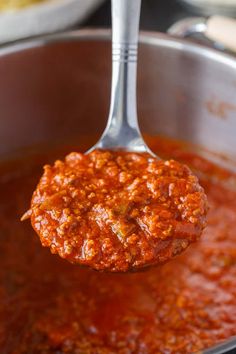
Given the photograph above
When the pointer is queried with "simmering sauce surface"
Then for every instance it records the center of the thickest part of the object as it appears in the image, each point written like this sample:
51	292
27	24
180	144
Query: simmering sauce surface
48	305
117	210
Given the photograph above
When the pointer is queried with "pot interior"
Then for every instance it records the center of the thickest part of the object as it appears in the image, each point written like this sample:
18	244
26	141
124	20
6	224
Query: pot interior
58	90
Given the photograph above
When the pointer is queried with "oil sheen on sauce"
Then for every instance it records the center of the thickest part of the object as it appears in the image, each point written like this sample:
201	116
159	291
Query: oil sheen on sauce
49	306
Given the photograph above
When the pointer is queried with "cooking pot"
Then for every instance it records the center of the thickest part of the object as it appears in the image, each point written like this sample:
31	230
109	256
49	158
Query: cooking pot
56	88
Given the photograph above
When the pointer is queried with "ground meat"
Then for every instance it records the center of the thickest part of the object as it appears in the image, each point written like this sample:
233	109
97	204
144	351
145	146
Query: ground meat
117	211
50	306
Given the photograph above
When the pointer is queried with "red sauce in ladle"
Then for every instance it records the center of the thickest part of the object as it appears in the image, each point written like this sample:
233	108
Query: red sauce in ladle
117	211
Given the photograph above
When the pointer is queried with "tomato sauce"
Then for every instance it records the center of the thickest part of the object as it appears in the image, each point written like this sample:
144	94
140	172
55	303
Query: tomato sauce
50	306
117	210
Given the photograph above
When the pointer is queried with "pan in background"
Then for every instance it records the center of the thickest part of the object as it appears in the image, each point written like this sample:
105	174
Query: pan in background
44	17
211	7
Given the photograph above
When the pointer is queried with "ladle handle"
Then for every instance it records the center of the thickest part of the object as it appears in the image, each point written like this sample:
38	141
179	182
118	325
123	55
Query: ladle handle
122	129
125	27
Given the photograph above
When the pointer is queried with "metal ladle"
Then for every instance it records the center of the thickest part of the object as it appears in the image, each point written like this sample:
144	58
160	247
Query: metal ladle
122	131
133	238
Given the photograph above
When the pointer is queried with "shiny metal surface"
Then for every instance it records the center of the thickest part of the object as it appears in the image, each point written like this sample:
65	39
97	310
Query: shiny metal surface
184	90
188	27
56	88
209	28
122	130
228	347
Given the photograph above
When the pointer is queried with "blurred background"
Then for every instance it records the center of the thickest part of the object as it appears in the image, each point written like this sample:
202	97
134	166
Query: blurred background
26	18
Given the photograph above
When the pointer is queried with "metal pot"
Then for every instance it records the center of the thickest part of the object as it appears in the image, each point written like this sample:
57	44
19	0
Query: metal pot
185	90
56	88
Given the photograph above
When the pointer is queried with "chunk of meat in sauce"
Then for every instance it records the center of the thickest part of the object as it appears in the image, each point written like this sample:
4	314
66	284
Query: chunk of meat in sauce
117	211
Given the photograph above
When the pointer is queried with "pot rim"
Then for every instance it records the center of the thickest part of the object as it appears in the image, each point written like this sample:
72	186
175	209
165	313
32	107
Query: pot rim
146	37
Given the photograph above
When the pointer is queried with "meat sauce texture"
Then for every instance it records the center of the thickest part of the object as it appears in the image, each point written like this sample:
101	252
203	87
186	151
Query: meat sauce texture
117	210
49	306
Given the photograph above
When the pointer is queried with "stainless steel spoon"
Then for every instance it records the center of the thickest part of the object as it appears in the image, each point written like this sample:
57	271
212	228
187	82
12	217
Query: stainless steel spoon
122	131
